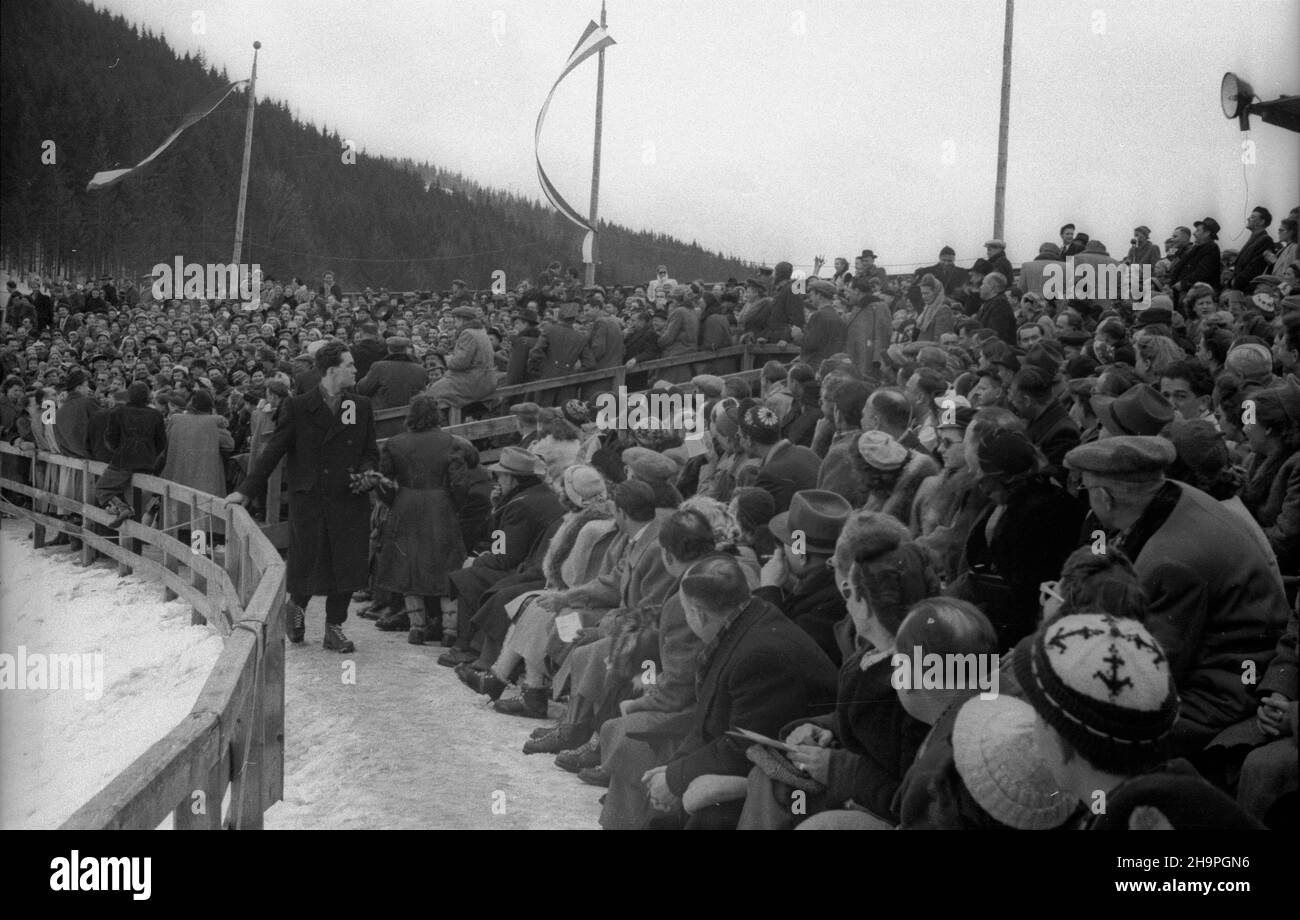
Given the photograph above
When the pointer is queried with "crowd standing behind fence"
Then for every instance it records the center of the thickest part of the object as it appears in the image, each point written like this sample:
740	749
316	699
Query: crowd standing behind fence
962	465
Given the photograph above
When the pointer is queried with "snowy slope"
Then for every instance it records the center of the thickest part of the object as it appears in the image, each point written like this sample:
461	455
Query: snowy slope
57	748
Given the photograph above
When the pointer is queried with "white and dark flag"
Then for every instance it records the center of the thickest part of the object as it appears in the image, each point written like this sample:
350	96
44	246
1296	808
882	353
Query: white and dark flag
111	177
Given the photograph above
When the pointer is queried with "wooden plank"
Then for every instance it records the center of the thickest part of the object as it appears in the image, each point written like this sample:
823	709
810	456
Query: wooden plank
87	499
168	520
143	794
201	809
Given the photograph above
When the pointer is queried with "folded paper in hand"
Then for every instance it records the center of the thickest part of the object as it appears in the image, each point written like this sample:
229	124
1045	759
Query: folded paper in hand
760	739
568	625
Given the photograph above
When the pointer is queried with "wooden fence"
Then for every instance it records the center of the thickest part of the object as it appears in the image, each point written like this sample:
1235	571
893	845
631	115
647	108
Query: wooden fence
233	738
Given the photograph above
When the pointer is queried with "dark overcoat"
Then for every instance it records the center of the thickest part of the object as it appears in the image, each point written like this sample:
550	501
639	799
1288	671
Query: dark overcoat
329	525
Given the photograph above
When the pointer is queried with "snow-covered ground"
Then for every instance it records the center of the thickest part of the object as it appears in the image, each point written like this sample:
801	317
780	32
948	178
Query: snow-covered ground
381	738
409	746
58	747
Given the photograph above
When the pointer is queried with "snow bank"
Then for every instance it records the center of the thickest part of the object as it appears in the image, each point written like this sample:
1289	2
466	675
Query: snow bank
57	746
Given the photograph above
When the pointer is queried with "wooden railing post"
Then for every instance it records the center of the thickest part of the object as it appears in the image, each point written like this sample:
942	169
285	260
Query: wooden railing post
87	499
167	518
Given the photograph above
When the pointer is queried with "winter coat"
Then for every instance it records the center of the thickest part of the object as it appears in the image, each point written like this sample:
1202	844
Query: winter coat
471	369
866	337
365	353
1035	533
716	333
523	517
393	381
823	337
72	425
932	795
1203	263
680	337
679	650
838	472
558	353
1250	261
329	551
137	437
786	312
814	604
605	346
1214	603
918	467
194	445
1055	434
422	543
1280	516
996	314
788	469
520	346
1177	792
762	673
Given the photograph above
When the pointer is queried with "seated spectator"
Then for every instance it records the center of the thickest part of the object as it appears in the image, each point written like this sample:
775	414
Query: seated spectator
1103	691
1214	604
757	671
856	756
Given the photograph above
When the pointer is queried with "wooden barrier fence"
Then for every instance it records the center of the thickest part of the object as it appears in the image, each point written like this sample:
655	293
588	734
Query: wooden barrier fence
232	740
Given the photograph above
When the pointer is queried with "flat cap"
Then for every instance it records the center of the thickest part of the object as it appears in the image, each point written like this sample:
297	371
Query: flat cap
823	287
465	313
397	343
649	466
1127	458
995	244
710	385
528	411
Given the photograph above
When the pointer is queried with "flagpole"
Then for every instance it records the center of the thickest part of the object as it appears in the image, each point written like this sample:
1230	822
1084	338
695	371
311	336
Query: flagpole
595	159
248	150
1000	195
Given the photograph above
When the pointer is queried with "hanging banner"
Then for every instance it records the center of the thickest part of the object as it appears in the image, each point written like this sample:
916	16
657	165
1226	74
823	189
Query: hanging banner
594	40
111	177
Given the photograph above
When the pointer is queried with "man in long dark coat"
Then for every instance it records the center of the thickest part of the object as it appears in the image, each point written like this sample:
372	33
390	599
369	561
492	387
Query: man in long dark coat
329	437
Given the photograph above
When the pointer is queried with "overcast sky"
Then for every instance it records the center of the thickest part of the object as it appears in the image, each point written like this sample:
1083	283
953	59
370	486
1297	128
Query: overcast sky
779	130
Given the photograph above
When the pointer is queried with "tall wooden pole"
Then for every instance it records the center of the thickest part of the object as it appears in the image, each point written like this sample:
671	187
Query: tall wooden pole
237	258
590	278
1000	196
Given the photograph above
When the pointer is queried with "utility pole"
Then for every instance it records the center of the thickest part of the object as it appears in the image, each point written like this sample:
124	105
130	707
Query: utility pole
1000	196
248	150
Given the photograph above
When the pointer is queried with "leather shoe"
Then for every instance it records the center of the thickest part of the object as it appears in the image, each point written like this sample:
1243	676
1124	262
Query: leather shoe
579	759
565	737
484	682
453	657
394	622
531	704
594	776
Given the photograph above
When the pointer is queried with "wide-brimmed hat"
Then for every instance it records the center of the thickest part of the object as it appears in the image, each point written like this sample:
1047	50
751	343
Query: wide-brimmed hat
1140	410
518	462
816	513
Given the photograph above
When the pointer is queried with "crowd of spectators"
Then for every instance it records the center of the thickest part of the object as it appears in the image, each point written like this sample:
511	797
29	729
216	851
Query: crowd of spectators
1099	496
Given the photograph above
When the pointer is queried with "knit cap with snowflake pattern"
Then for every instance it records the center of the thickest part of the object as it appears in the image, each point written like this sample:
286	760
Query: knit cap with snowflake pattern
1104	684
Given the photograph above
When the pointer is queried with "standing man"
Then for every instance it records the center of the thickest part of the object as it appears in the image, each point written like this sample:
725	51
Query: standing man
869	328
604	345
395	380
824	335
1202	261
1250	261
366	350
558	353
996	255
329	437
